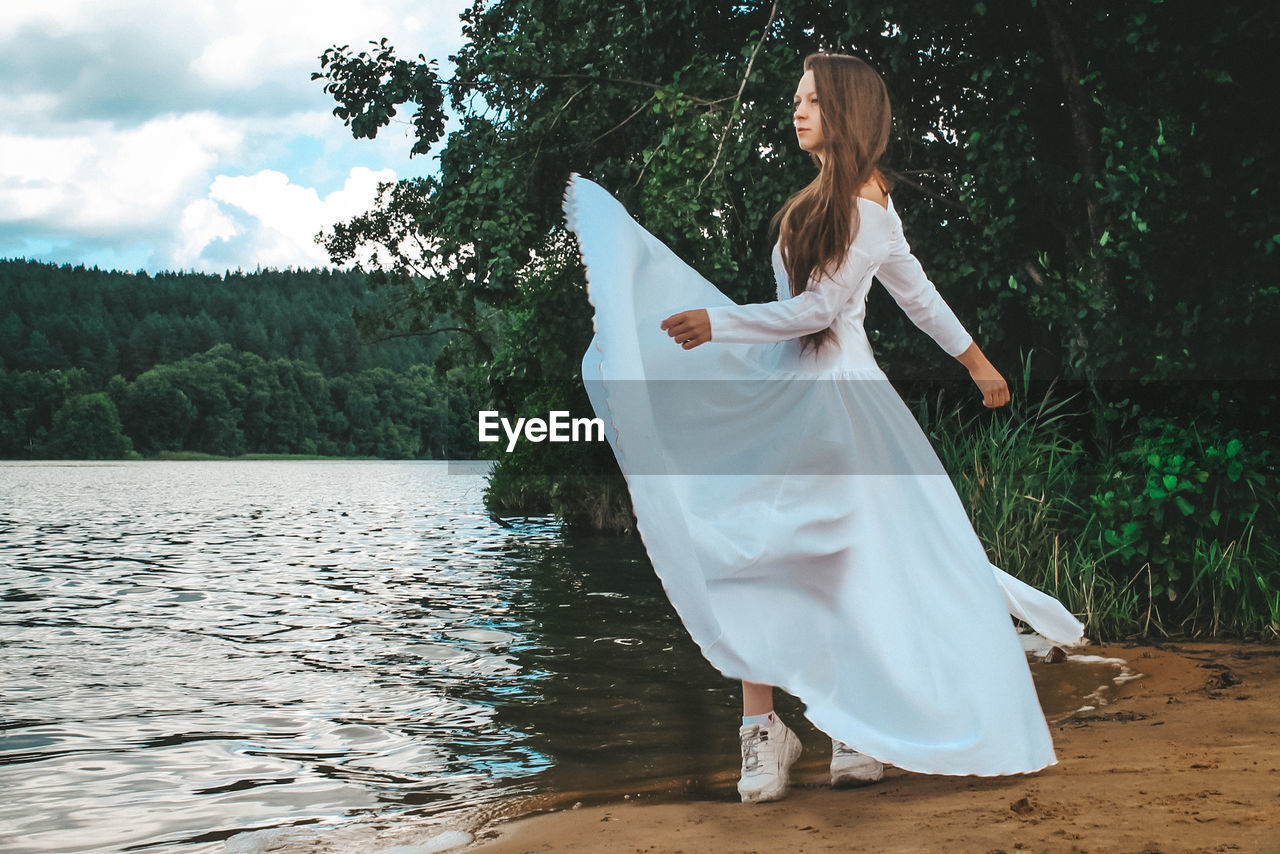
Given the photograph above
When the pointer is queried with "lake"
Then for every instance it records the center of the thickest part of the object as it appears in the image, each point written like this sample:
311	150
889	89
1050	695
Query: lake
211	656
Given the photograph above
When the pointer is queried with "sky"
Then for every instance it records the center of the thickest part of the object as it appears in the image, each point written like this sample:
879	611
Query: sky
188	134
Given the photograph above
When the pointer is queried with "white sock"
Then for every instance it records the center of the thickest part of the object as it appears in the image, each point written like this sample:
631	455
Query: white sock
766	720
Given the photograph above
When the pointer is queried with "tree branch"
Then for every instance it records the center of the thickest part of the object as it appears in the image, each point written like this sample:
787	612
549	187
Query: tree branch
1064	57
534	160
624	121
901	177
737	99
706	102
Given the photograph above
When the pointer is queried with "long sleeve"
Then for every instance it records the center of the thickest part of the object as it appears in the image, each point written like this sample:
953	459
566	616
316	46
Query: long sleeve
809	311
904	278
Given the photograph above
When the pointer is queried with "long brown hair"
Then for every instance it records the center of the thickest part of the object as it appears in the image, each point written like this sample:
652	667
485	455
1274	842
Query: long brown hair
816	225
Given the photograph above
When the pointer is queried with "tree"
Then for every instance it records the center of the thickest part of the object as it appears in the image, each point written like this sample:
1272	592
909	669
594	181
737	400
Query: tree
1063	169
87	427
157	413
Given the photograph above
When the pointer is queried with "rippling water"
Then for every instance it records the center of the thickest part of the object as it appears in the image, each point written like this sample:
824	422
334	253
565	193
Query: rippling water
192	650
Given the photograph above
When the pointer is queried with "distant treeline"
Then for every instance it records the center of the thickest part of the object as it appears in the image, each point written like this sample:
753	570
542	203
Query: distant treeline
101	365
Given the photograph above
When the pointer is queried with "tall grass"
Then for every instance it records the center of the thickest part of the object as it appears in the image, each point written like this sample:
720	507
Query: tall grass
1018	472
1027	485
1236	588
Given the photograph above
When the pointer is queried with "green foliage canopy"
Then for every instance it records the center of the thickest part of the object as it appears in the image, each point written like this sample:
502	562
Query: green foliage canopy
1081	179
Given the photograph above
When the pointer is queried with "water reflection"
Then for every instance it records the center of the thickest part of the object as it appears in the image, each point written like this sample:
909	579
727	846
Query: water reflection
195	650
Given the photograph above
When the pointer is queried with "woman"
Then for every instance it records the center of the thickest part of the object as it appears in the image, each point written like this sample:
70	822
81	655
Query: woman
829	554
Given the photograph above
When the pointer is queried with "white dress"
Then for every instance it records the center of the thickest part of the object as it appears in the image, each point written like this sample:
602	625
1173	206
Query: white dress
798	518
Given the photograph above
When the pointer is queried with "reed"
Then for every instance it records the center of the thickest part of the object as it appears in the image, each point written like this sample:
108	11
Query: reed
1236	588
1026	484
1018	471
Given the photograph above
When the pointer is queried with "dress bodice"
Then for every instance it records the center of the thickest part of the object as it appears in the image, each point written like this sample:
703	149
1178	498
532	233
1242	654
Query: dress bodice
878	251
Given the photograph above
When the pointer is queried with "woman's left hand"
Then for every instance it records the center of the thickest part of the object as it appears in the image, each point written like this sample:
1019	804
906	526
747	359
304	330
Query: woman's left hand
995	391
689	328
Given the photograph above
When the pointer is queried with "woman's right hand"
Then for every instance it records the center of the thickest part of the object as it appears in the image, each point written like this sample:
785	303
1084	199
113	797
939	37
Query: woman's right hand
689	328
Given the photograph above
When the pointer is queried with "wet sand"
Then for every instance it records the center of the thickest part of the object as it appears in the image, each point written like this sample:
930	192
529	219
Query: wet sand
1184	758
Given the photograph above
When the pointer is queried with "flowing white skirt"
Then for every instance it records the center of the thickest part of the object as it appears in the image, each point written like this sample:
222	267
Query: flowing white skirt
804	528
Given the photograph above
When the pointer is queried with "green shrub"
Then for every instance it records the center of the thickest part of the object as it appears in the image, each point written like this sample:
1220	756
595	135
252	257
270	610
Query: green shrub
1170	529
1194	508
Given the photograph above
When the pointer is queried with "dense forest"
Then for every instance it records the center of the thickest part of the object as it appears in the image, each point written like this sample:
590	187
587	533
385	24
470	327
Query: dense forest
103	365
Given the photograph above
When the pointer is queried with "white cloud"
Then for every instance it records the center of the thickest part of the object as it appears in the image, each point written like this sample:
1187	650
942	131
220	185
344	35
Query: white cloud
203	222
273	221
129	60
191	133
108	181
233	61
55	15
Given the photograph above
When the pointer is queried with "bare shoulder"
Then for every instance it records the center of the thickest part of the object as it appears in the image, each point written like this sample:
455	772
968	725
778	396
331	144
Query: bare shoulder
876	192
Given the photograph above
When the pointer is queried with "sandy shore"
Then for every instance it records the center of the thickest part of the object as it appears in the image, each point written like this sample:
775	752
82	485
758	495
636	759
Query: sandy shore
1186	759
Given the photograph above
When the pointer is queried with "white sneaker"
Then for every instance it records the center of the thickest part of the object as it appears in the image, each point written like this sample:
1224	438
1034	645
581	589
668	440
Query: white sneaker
767	757
851	768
